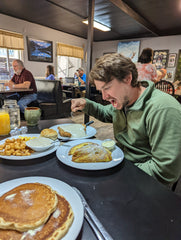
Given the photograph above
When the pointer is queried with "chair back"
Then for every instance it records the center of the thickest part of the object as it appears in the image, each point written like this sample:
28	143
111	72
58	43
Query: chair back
165	86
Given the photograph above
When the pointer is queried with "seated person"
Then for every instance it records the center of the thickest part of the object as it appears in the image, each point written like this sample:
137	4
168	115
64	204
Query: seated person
145	120
50	75
22	78
81	77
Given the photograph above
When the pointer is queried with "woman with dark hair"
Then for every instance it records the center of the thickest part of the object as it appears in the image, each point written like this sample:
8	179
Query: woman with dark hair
50	75
146	70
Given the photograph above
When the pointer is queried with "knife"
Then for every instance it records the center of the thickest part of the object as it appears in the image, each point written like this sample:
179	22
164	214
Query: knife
93	220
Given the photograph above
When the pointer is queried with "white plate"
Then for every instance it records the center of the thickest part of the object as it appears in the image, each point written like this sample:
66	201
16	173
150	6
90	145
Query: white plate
90	131
62	155
63	189
33	155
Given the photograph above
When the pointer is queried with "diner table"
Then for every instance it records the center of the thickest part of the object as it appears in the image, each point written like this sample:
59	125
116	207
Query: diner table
5	91
130	204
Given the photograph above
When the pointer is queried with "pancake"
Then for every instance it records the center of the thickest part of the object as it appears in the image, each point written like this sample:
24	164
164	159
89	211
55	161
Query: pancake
54	229
89	152
49	133
27	206
73	130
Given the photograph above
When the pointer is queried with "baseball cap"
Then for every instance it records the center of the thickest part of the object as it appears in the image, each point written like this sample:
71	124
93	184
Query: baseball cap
80	69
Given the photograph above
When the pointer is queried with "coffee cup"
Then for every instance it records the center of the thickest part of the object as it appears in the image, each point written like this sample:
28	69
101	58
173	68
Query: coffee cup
32	115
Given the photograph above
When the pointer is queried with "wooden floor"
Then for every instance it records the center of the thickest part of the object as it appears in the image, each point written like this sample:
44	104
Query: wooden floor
104	131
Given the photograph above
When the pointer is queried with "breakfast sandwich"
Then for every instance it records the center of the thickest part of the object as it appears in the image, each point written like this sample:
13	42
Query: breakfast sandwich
27	206
55	228
89	152
72	130
49	133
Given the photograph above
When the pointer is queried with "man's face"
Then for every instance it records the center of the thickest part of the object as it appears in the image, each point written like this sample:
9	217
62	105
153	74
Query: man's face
80	73
17	68
116	92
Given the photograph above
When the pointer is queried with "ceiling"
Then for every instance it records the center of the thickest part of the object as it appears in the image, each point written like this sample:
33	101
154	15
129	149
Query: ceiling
128	19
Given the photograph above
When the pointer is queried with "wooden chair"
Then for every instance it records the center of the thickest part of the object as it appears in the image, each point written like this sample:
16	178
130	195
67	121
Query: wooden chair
165	86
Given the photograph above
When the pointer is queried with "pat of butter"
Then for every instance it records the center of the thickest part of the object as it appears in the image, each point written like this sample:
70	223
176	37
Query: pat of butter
109	144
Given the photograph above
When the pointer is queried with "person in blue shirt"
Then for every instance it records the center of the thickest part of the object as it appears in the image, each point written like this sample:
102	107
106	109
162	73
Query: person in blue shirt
50	75
81	76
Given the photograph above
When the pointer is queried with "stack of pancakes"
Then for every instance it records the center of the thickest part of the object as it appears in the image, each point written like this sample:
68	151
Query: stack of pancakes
88	152
34	211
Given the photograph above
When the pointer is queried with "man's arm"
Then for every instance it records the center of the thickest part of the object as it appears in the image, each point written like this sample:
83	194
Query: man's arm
25	84
81	81
165	142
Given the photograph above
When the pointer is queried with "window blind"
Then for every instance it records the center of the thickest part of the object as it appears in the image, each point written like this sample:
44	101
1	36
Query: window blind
69	50
11	40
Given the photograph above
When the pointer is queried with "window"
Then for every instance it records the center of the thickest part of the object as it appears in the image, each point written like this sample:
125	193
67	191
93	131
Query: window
6	58
67	66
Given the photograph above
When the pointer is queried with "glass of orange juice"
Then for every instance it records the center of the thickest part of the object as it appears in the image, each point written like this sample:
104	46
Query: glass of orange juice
4	123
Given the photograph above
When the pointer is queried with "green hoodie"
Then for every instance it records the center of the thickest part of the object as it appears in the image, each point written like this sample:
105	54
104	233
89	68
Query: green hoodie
148	132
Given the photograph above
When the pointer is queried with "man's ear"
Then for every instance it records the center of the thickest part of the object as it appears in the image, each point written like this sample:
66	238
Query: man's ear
128	79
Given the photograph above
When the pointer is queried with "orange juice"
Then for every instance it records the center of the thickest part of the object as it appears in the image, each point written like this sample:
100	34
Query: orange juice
4	123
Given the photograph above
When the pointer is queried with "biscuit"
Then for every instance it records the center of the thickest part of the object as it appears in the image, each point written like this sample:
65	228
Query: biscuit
49	133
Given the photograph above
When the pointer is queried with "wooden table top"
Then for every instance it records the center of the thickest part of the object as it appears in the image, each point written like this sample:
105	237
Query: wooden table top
14	90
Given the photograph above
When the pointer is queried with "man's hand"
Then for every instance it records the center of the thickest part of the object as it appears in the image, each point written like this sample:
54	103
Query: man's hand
9	84
76	74
78	104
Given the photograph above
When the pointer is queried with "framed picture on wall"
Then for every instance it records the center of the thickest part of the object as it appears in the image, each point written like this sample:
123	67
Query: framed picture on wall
170	75
171	60
39	50
129	49
160	58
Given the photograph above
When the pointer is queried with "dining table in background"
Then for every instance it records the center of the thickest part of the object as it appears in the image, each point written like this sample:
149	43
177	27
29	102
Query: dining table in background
130	204
5	91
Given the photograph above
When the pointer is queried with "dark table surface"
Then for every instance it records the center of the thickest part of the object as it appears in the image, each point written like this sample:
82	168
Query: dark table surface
130	204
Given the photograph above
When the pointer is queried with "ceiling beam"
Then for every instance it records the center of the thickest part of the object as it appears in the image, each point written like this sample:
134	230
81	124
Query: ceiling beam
129	11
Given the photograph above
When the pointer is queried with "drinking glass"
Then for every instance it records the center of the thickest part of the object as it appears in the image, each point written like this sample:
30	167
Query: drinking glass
4	122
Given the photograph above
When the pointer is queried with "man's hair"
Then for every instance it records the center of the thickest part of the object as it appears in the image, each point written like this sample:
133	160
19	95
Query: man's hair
19	62
112	66
146	56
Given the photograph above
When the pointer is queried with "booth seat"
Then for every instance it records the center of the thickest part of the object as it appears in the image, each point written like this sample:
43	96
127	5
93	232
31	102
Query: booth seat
50	99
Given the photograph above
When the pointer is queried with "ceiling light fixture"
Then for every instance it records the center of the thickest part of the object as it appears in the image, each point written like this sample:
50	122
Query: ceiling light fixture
98	25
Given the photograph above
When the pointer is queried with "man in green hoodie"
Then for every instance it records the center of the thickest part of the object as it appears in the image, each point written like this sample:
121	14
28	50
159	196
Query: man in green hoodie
146	121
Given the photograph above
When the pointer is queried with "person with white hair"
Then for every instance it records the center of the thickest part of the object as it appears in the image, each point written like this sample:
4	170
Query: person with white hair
22	78
81	76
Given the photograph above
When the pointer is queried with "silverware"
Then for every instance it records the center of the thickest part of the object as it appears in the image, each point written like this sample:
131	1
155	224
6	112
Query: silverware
89	123
94	222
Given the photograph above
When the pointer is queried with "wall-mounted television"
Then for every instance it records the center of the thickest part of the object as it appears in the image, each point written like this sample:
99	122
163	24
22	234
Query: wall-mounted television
39	50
